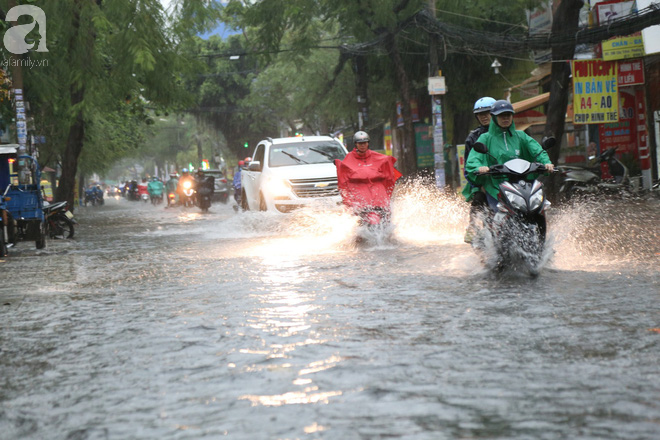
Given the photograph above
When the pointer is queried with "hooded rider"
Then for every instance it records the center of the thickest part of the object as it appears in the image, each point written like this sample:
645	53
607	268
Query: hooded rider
366	178
504	143
472	191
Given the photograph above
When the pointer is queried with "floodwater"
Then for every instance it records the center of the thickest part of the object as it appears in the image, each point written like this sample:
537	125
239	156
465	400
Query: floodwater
158	323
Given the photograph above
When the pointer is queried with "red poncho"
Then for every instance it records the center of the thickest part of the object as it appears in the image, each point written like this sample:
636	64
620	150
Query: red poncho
366	181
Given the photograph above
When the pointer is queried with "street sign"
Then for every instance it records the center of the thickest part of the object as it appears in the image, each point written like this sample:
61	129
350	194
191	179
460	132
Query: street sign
437	85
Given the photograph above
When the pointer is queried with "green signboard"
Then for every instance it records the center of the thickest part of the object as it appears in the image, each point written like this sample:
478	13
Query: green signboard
424	145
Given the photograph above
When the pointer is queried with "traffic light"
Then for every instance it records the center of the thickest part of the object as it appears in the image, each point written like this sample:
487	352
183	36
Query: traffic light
245	145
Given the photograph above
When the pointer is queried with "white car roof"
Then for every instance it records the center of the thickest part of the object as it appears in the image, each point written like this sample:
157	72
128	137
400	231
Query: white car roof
295	139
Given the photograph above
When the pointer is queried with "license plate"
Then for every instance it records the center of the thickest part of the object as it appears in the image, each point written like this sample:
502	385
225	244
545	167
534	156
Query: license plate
68	214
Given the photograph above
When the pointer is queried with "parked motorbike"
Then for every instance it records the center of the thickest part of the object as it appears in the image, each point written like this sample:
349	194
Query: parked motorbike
577	181
59	220
514	235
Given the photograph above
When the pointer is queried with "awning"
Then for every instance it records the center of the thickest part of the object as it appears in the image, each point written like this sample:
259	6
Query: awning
526	104
540	73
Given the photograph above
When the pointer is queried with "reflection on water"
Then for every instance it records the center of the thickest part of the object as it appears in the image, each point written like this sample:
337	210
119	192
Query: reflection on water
158	323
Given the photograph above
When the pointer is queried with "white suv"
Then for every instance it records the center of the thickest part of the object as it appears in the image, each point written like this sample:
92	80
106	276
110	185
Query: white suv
288	173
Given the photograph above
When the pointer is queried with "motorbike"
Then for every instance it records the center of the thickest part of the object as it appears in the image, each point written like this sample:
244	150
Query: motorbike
156	199
95	198
204	191
367	191
514	235
171	199
188	191
59	220
144	197
577	181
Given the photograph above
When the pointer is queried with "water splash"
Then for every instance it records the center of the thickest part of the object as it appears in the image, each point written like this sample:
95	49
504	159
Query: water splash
424	214
597	234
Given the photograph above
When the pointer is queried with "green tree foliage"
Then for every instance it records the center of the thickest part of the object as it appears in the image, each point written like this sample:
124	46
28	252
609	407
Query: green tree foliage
395	47
109	63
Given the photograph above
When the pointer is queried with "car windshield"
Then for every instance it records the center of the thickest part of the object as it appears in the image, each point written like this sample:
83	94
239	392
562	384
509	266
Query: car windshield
301	153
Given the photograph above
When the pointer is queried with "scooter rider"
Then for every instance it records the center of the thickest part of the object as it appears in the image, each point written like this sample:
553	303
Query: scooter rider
185	177
155	189
504	143
171	187
204	185
237	182
366	178
471	191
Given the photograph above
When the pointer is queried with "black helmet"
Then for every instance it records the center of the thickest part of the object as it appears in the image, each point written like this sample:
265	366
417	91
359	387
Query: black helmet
501	106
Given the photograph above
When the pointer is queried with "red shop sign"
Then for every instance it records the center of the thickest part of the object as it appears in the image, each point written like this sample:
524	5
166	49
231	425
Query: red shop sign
631	72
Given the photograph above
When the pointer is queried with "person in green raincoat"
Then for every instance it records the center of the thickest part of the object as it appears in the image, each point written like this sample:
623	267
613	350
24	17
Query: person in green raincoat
504	143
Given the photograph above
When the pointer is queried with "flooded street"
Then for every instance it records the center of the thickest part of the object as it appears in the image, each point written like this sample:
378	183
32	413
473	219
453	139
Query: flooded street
161	323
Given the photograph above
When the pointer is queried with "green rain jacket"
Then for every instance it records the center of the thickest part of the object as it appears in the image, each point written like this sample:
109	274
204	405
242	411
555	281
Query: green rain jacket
504	145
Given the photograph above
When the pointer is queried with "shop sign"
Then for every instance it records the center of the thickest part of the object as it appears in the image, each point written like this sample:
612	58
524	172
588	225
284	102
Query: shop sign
424	146
619	48
631	72
595	92
621	135
622	47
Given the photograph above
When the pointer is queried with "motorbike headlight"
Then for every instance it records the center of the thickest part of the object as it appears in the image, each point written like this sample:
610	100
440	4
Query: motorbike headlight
536	200
278	187
516	201
187	184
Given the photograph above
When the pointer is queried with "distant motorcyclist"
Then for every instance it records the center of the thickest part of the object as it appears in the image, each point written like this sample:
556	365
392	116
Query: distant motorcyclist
143	191
365	178
155	189
204	185
237	182
186	181
472	191
171	187
504	143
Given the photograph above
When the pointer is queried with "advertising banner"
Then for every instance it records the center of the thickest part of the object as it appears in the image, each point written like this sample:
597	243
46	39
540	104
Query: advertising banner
595	92
631	72
387	138
424	146
617	48
623	134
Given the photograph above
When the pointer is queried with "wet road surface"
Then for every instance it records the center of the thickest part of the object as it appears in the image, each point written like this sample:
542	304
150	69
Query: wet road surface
169	324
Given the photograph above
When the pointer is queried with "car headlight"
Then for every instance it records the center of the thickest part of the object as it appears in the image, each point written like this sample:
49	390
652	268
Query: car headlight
278	187
516	201
536	200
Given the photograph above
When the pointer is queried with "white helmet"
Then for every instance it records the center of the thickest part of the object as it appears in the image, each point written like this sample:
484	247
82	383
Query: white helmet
360	136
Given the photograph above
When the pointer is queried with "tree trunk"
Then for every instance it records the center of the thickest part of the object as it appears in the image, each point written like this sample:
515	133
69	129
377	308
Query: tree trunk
408	157
74	145
75	140
566	20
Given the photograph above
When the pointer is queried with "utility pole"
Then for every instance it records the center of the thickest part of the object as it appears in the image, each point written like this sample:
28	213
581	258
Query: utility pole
360	65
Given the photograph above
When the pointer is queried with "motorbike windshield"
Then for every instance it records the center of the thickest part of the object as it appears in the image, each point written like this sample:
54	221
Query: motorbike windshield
302	153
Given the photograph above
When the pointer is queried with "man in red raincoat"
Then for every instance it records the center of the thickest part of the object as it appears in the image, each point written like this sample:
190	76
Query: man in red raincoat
365	178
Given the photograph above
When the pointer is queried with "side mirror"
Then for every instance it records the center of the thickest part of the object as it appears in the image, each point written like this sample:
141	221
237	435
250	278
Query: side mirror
255	165
480	148
548	142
